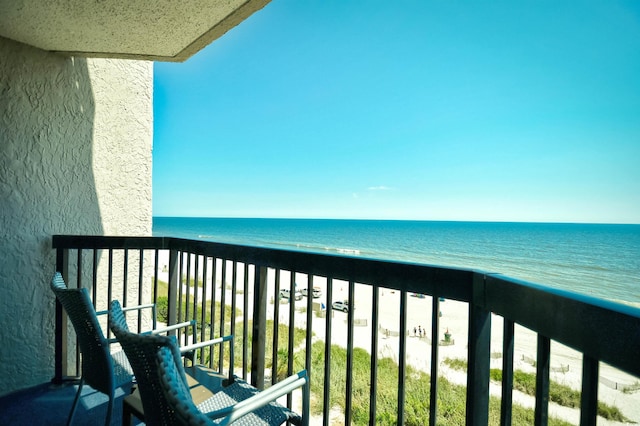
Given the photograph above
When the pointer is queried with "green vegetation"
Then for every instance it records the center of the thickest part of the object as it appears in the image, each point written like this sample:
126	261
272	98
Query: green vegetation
451	397
558	393
634	387
162	310
456	363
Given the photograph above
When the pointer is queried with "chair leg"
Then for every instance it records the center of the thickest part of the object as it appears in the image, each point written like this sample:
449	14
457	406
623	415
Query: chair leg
126	414
75	402
107	421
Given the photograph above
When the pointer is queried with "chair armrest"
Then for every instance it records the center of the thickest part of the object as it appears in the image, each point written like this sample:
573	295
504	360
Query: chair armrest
206	343
151	306
191	323
130	308
139	307
261	399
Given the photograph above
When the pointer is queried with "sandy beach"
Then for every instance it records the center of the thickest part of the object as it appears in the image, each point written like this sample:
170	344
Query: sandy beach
566	364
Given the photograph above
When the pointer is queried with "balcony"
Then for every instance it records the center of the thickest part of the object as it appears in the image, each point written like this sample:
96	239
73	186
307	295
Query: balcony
497	324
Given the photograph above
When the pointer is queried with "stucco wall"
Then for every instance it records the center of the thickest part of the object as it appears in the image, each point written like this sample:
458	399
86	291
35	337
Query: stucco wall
75	157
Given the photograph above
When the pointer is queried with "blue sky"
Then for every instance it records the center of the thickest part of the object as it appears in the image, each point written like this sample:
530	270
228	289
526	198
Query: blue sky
428	110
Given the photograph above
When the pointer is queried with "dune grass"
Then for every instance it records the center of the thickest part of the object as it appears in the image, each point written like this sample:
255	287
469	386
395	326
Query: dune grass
560	394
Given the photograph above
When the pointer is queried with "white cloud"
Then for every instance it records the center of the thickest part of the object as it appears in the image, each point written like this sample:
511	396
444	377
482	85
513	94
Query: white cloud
379	188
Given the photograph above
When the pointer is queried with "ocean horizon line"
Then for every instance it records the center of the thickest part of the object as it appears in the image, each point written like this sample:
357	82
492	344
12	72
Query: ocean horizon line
396	220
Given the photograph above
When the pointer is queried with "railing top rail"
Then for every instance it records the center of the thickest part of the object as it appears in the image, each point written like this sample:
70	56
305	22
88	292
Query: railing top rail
452	283
604	330
108	242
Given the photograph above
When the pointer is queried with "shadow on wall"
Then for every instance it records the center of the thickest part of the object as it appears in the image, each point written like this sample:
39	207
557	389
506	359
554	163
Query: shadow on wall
47	187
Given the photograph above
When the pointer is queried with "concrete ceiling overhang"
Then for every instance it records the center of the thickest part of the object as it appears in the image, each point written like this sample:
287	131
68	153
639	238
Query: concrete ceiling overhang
159	30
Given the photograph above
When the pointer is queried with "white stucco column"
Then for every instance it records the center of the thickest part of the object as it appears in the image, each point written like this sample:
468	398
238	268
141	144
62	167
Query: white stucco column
75	158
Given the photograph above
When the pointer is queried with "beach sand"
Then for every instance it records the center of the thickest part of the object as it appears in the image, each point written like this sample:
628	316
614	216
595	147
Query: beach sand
566	364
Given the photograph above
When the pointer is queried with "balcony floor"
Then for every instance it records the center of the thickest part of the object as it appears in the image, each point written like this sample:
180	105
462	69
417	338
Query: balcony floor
49	404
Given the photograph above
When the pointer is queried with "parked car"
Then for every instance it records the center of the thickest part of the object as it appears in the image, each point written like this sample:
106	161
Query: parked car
316	292
341	305
285	293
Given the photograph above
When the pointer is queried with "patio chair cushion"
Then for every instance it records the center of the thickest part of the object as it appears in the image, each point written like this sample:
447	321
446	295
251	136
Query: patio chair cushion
187	413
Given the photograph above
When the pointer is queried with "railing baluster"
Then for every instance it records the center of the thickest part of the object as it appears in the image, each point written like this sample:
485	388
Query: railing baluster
212	310
276	329
94	292
79	268
374	354
194	315
309	327
109	287
542	381
589	398
259	327
435	330
223	301
94	276
156	272
506	403
125	280
232	316
402	358
180	292
292	311
349	384
196	285
479	361
326	394
187	295
172	297
245	314
79	285
140	282
61	368
203	312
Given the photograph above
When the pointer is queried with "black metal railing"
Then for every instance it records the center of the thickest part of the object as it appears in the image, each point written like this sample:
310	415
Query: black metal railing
253	278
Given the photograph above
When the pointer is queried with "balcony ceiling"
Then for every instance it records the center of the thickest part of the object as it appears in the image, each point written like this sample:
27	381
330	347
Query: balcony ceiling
160	30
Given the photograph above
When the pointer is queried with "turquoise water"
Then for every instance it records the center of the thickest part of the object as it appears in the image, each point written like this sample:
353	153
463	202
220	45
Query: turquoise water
594	259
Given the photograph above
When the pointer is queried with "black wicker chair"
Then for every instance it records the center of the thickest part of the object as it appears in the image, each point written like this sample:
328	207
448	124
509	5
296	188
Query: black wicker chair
143	351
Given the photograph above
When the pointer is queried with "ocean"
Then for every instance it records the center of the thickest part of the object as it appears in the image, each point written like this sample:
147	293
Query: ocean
594	259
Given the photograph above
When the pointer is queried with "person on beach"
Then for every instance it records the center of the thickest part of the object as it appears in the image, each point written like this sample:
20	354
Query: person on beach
415	332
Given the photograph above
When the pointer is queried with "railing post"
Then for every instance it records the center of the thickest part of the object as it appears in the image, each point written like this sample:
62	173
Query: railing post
589	398
543	363
348	411
259	327
172	302
61	335
506	404
435	326
402	361
479	355
373	378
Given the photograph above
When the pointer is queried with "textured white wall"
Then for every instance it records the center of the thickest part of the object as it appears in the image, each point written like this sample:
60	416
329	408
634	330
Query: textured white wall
75	158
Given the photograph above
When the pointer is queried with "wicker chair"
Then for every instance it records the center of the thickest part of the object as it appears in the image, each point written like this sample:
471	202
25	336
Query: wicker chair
103	371
243	405
142	351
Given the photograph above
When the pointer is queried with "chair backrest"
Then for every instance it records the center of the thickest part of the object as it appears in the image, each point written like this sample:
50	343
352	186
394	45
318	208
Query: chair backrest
178	395
142	350
97	365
